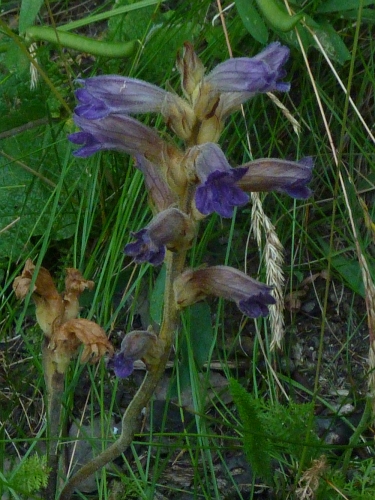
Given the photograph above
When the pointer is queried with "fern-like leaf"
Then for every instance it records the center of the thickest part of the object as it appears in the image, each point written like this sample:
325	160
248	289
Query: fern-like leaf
256	444
31	476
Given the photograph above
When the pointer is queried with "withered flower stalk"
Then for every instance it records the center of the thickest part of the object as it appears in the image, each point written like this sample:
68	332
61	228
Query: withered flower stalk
64	333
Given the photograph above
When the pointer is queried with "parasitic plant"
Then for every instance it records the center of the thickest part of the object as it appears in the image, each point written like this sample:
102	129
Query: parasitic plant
185	184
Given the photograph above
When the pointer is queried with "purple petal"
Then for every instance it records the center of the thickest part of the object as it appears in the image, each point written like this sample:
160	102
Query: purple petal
121	365
90	107
90	144
220	194
256	305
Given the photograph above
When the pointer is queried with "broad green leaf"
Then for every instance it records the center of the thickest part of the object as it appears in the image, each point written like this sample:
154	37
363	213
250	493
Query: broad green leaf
252	21
347	268
332	43
27	192
341	5
201	333
29	11
277	16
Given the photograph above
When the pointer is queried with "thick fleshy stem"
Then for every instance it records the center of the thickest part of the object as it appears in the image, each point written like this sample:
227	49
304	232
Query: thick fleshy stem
131	420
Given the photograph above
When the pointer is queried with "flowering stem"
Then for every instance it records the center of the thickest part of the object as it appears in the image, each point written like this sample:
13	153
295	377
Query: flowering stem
131	420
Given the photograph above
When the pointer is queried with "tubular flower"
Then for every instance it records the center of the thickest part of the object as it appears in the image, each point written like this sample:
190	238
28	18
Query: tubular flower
119	132
251	296
125	134
270	174
236	80
170	229
217	190
138	344
112	94
261	73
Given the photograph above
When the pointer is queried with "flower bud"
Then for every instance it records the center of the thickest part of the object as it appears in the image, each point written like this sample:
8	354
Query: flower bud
139	344
191	69
170	229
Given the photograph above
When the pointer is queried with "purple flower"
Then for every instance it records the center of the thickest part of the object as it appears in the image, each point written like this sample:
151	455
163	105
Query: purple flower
118	95
283	176
236	80
218	190
139	344
251	296
170	229
256	305
103	95
145	249
261	73
118	132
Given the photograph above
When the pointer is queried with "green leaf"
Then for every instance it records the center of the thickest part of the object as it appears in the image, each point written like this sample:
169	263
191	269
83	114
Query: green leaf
368	15
29	11
332	43
341	5
157	297
348	269
201	332
252	21
27	191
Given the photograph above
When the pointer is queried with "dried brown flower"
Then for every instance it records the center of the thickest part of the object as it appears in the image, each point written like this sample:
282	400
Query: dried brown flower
67	338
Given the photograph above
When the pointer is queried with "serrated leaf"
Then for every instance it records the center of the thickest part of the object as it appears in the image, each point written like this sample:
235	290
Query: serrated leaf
29	11
252	21
341	5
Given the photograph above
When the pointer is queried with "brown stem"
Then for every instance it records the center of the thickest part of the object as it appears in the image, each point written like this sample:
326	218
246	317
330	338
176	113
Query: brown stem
132	418
55	381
